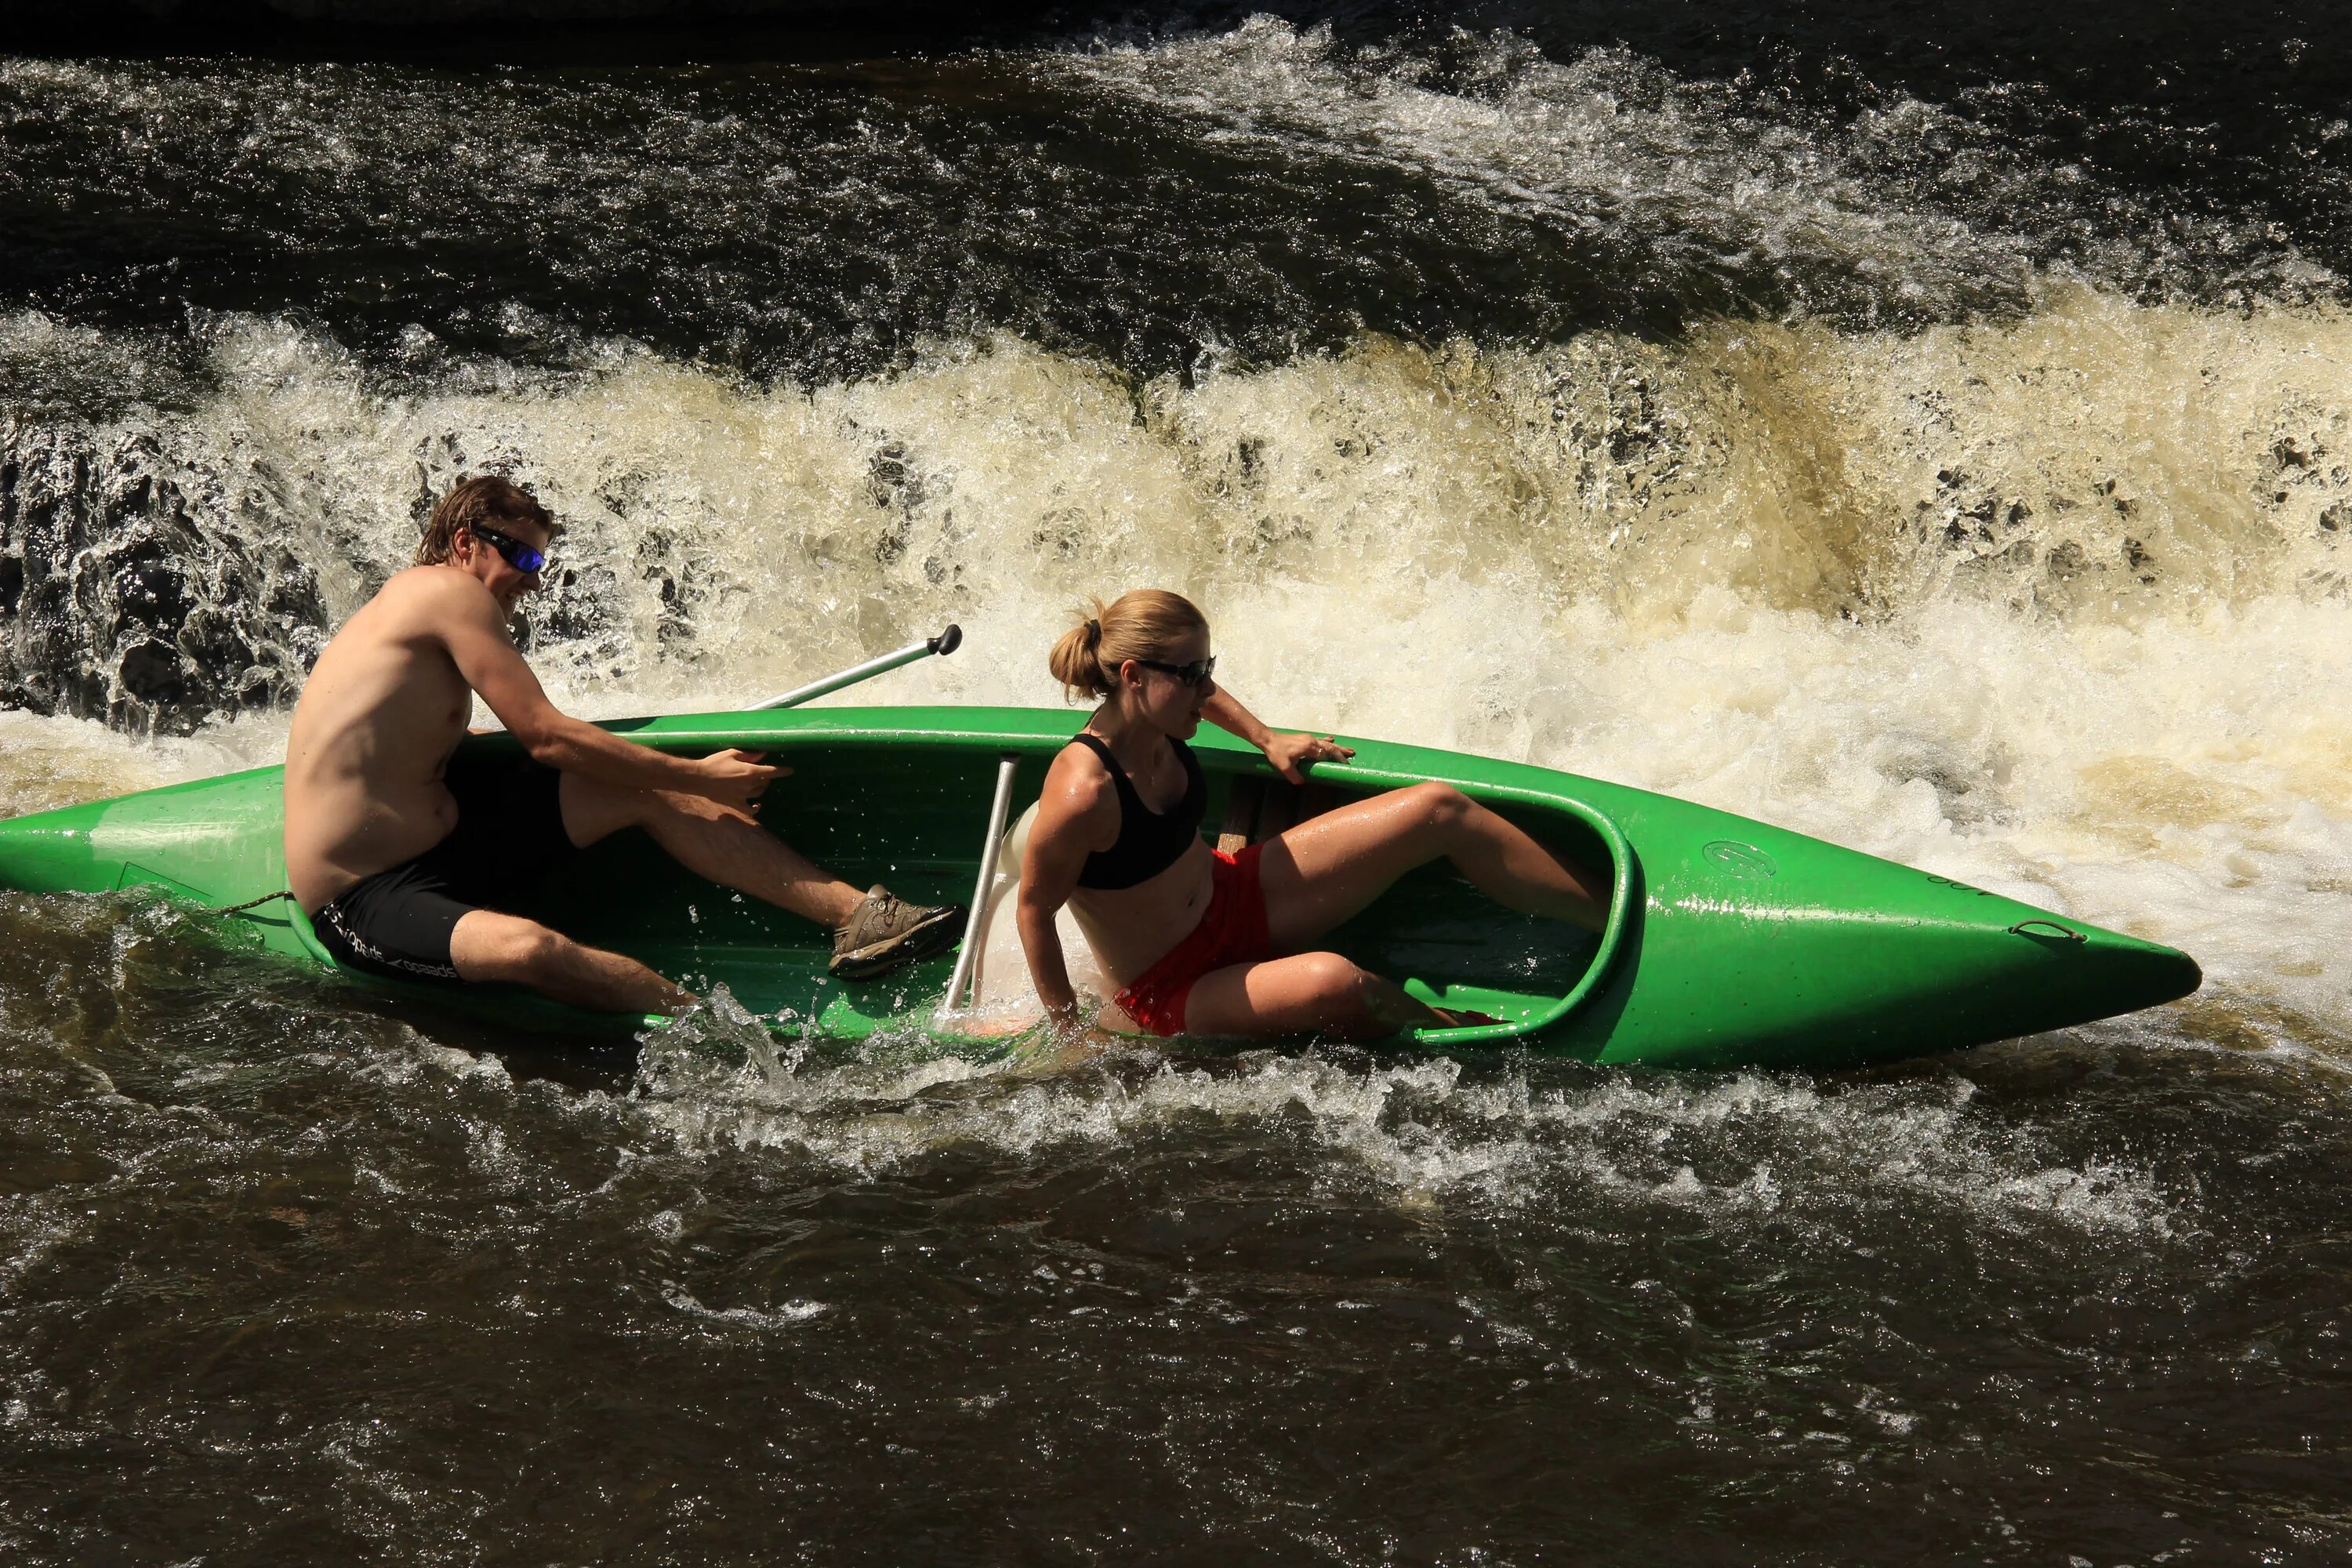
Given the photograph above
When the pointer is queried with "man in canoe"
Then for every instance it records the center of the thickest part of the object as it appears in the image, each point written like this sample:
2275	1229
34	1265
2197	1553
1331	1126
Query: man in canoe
402	853
1203	942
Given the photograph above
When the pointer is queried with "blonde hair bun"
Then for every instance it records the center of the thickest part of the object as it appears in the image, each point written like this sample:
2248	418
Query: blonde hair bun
1143	623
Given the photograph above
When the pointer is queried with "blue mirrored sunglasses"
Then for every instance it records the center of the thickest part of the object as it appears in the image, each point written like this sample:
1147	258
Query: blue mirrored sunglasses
519	555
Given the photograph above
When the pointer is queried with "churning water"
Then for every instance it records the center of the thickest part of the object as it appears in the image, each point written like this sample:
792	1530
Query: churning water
1939	442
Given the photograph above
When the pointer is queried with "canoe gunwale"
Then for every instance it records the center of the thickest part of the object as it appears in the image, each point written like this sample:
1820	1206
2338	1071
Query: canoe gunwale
1620	887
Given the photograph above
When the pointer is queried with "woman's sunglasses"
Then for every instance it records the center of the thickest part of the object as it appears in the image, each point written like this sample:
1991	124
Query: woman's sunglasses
1195	675
519	555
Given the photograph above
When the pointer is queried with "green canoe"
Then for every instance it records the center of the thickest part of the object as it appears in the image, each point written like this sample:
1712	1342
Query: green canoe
1728	942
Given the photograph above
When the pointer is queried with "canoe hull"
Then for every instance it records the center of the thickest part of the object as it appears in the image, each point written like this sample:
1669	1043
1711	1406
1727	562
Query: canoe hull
1730	943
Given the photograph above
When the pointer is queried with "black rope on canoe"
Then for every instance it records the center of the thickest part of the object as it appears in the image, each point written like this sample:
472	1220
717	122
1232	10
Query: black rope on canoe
254	903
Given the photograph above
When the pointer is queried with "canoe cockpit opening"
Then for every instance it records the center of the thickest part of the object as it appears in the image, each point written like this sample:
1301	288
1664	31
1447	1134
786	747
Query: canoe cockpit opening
1446	942
914	817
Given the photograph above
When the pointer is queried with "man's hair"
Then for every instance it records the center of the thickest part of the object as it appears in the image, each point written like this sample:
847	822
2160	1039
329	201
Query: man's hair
484	499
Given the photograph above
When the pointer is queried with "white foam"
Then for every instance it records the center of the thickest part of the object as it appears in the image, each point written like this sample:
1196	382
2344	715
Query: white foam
2042	605
1430	1131
785	1315
48	762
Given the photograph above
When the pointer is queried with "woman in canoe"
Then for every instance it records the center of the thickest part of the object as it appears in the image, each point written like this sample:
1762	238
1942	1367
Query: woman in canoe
1204	943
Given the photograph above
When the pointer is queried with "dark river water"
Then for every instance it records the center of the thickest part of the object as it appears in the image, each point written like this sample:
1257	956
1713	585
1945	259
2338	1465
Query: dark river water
1926	426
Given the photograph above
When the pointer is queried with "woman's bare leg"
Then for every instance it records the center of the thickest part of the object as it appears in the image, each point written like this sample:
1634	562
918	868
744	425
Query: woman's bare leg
1331	866
1307	994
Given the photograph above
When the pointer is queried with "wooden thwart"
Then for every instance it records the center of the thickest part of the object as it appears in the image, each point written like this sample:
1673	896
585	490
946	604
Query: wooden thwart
1259	808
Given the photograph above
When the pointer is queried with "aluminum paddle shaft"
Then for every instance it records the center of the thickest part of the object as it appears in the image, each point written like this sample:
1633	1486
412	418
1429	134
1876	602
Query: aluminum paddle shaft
946	642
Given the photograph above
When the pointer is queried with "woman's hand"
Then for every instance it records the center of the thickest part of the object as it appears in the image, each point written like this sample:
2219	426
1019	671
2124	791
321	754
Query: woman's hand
1289	754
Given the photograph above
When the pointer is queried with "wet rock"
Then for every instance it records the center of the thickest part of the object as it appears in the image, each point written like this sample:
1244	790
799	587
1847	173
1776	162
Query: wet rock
134	589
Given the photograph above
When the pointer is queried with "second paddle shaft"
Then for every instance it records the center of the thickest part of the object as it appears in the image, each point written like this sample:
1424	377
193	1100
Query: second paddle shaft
946	642
968	961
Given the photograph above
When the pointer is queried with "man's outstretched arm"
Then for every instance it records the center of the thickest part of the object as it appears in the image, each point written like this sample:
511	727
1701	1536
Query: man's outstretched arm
475	630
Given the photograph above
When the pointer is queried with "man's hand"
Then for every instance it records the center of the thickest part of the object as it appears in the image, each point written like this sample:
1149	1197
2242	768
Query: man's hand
1288	753
736	779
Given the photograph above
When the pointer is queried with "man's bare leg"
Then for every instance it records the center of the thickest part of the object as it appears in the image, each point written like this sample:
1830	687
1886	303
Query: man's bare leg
711	841
486	945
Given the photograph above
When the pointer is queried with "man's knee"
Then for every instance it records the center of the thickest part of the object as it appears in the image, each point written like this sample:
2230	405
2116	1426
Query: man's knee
593	810
540	950
506	945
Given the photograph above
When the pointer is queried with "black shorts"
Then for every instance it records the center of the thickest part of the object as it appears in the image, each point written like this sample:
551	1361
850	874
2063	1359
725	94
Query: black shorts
510	835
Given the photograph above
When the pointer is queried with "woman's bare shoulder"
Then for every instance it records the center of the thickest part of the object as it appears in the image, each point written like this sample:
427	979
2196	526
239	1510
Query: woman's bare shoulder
1077	788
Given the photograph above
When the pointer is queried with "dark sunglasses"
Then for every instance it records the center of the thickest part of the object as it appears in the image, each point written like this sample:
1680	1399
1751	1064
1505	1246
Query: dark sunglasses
519	555
1195	675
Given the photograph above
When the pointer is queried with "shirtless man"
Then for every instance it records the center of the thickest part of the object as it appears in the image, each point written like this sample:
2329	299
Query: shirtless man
401	853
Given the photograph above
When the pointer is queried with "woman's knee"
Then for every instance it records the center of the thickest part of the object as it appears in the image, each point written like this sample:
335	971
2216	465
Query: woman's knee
1439	805
1331	978
1352	1000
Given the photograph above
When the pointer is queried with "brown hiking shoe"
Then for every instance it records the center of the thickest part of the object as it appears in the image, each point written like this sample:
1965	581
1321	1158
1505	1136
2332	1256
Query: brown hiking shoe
885	933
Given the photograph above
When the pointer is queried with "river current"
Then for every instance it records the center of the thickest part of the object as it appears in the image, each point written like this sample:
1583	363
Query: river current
1928	431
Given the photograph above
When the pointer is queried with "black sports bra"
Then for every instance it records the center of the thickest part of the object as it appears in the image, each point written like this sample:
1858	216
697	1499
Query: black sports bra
1149	841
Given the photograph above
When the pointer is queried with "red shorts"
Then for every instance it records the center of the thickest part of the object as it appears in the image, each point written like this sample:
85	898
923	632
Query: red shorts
1232	930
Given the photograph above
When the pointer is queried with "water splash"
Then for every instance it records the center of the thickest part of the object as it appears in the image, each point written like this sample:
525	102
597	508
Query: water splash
2037	606
1742	1148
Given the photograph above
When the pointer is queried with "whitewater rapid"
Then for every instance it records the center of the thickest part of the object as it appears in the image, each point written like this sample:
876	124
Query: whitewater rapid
2048	604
